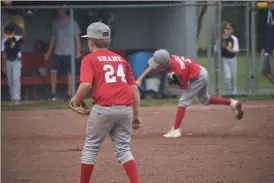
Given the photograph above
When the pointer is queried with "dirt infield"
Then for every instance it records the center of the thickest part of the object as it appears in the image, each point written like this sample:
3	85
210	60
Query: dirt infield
45	147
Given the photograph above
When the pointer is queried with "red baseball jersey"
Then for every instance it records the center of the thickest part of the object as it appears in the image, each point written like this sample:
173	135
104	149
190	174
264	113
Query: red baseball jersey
187	69
110	76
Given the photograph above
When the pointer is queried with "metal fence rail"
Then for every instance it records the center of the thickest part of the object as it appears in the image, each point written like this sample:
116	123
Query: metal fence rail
134	28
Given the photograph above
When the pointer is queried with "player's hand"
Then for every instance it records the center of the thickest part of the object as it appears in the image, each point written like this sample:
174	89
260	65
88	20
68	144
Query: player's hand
21	26
78	55
82	108
137	122
4	69
138	83
47	55
262	52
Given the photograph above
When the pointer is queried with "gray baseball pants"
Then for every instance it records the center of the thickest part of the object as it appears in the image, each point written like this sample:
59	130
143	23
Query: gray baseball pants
197	88
115	121
13	76
230	72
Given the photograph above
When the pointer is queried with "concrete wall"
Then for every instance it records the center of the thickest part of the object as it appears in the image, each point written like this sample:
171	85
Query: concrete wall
135	28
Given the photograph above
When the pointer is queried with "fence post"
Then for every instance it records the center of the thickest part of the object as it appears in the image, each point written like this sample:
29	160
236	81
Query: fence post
71	13
218	47
247	42
253	48
209	53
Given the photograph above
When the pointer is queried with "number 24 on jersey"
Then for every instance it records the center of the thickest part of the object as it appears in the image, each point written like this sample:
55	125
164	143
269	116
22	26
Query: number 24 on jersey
111	75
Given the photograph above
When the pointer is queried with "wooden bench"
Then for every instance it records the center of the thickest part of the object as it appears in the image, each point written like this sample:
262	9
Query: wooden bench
32	61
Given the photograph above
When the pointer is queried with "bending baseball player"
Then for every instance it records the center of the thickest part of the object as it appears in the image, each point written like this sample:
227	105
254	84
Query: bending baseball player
109	78
192	78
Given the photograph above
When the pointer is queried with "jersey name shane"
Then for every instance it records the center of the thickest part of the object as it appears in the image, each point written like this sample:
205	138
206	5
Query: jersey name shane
109	58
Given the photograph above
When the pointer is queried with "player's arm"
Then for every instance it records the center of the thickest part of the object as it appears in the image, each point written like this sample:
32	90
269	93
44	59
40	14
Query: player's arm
86	79
4	57
135	92
235	48
143	76
51	45
136	99
77	40
51	42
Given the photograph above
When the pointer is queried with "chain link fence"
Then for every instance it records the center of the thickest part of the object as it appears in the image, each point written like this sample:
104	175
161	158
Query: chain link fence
190	29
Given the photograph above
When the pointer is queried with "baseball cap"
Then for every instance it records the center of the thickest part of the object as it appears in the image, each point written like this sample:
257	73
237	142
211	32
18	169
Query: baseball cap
98	30
9	31
160	57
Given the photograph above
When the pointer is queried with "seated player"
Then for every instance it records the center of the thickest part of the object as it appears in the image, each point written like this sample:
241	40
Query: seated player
192	78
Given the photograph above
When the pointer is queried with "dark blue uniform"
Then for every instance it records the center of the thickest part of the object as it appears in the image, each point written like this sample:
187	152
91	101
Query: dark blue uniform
230	43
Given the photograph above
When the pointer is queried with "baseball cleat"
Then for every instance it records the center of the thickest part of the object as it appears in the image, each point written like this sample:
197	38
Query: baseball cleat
237	106
173	133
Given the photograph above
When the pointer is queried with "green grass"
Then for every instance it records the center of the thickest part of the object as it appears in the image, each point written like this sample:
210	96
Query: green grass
64	105
144	103
241	72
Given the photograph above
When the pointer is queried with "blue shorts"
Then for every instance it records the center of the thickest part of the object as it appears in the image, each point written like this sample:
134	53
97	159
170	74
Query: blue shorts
61	63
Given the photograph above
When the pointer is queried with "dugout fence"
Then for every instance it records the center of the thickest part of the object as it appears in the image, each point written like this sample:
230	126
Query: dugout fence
184	28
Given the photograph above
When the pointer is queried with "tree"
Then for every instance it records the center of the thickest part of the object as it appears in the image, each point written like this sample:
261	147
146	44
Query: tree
201	11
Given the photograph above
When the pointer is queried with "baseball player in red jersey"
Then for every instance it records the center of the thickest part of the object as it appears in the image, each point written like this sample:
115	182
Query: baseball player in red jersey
193	79
109	78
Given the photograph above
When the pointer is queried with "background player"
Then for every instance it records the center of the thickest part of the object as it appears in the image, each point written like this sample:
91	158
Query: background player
194	81
113	87
230	48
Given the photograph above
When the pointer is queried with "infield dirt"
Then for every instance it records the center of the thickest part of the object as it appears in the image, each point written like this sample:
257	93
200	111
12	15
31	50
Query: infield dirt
44	146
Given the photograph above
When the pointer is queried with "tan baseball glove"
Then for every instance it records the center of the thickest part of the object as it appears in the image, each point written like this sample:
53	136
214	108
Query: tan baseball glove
18	20
136	123
81	109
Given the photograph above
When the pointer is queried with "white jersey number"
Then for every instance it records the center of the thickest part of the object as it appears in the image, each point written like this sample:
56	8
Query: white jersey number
111	76
182	61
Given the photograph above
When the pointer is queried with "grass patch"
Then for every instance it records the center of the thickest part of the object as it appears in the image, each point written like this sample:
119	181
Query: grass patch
242	76
144	103
65	105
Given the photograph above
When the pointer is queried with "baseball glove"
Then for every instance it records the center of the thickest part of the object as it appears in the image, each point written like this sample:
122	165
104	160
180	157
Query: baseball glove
136	123
18	20
81	109
174	79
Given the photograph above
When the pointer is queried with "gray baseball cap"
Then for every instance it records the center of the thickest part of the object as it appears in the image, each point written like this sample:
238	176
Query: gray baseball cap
160	57
98	30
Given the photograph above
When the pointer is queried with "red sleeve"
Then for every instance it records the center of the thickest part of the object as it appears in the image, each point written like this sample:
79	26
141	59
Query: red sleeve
184	79
86	72
129	76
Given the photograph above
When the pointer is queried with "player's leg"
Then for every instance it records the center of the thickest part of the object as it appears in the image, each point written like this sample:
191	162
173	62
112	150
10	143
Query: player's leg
185	100
9	74
271	65
266	68
233	69
17	81
98	128
56	62
206	99
227	74
67	63
120	135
